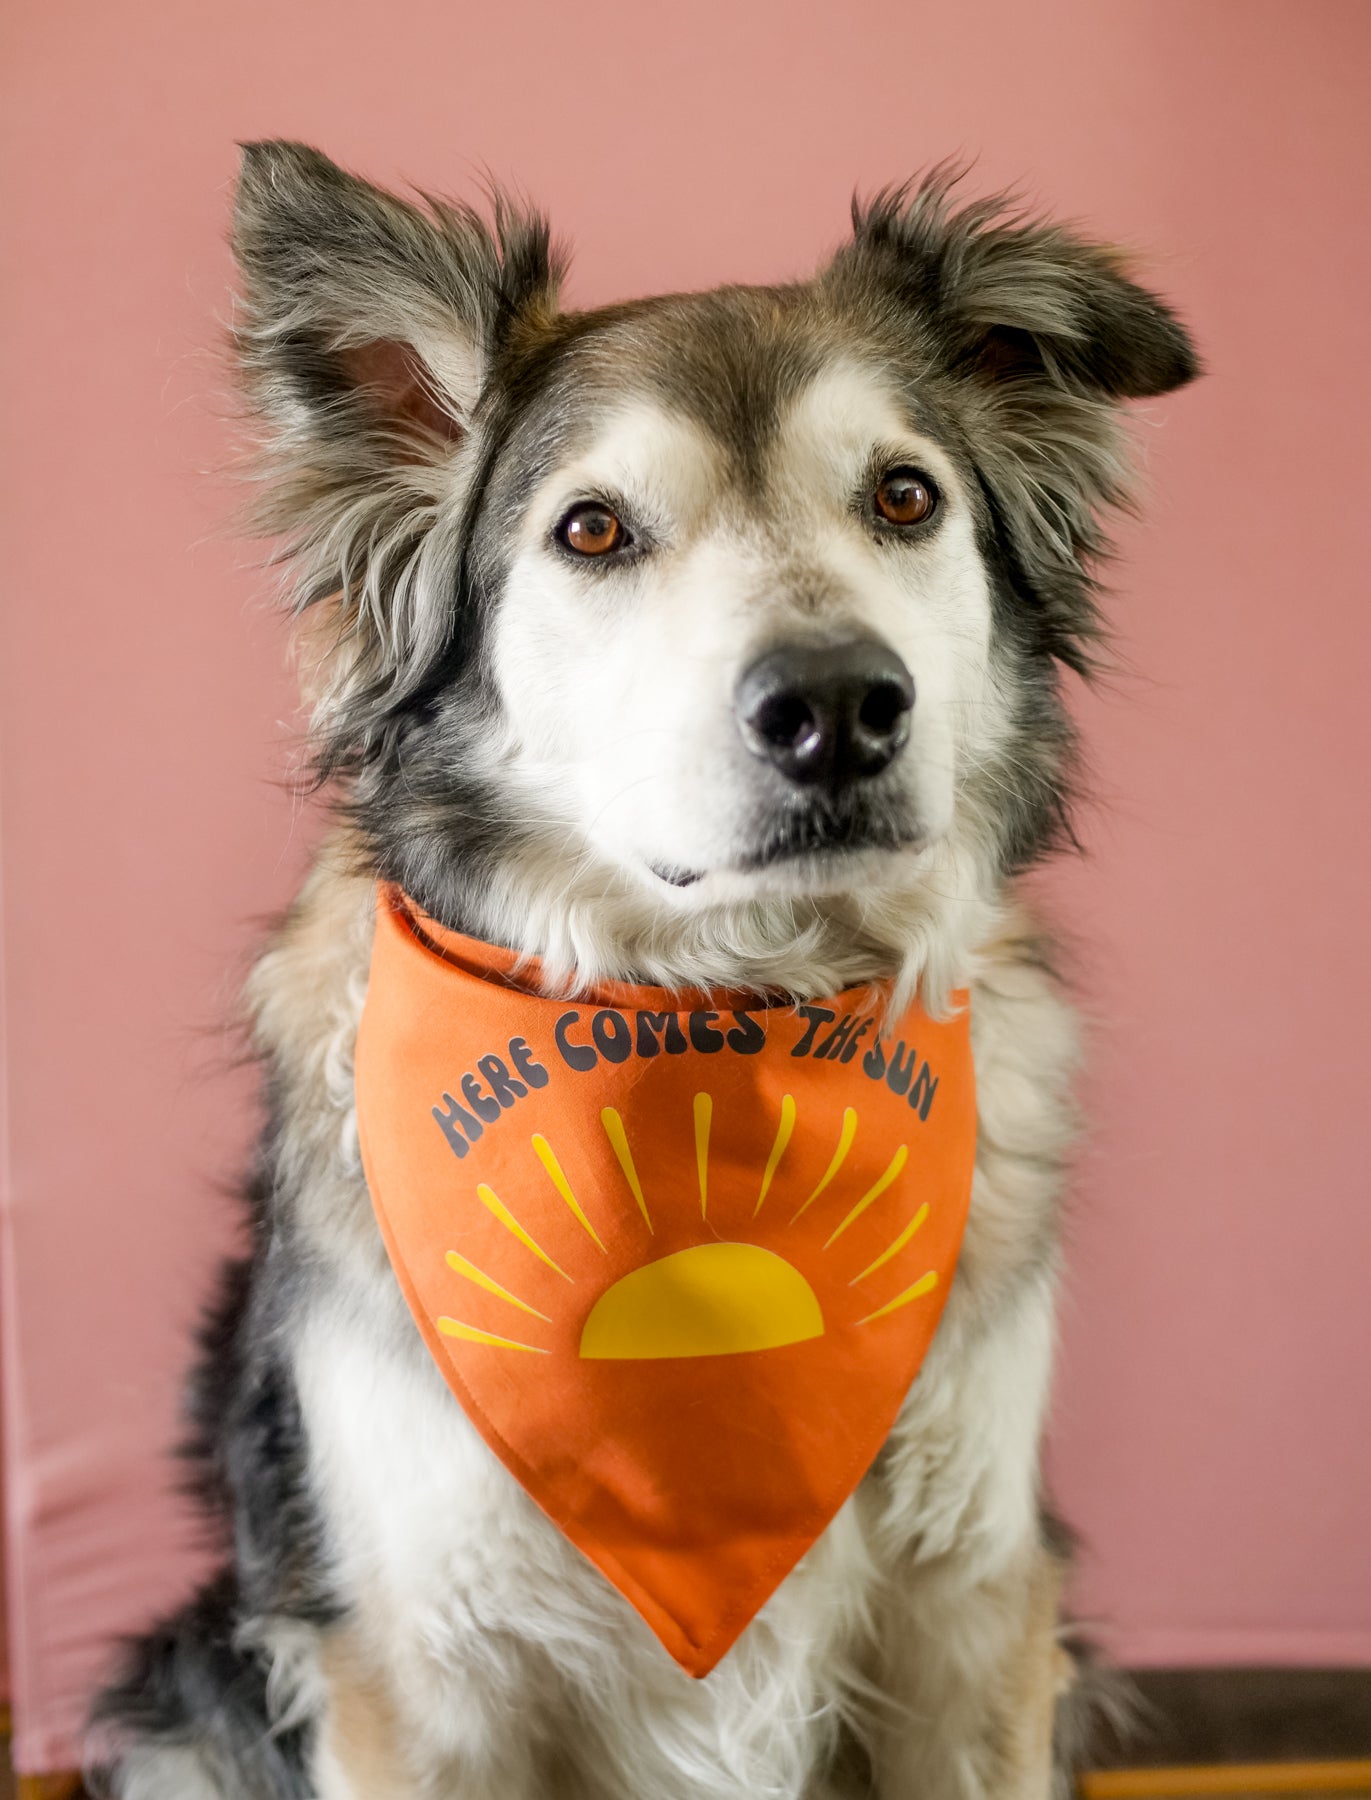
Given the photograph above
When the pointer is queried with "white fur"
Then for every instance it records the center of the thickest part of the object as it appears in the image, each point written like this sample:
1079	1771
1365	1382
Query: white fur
618	688
162	1774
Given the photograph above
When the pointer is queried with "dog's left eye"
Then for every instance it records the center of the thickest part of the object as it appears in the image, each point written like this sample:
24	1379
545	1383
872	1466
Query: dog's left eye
905	497
591	529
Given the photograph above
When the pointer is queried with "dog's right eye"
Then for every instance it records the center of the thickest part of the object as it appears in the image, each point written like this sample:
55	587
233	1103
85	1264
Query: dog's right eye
905	497
591	529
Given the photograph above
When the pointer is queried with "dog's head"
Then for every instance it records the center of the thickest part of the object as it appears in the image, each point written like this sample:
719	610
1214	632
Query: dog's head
657	636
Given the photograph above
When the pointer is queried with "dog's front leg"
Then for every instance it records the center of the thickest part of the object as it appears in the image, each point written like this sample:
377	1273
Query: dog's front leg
359	1750
365	1750
974	1668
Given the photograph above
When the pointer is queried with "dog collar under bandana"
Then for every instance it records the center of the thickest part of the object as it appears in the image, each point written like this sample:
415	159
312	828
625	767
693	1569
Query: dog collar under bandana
678	1257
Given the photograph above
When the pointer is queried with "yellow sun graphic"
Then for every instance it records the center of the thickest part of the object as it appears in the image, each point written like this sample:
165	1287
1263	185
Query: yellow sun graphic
735	1287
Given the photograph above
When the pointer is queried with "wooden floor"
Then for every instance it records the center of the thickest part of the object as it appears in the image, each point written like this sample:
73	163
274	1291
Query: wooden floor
1234	1781
1207	1783
1195	1784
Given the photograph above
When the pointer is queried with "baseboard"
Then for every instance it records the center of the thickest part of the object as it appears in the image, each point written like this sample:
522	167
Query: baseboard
1192	1717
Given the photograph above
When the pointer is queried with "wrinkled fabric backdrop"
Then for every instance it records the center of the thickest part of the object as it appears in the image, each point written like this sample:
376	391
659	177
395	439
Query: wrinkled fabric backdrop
1210	1426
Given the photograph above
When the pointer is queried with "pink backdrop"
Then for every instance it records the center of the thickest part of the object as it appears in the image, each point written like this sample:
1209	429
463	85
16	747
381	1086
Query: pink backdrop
1211	1434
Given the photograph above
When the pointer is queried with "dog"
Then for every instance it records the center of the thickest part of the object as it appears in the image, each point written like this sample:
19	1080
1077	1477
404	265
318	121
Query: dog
713	641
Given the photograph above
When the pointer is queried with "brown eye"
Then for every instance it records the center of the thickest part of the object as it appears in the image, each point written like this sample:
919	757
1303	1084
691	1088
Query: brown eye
591	530
905	497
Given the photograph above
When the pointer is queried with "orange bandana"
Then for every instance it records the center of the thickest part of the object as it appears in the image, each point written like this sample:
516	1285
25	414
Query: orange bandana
678	1262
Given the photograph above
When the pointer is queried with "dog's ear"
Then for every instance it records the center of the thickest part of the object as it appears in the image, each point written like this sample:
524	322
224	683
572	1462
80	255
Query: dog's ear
1013	297
368	331
1035	337
363	311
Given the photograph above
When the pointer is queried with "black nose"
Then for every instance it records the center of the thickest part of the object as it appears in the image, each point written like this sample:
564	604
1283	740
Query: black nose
831	713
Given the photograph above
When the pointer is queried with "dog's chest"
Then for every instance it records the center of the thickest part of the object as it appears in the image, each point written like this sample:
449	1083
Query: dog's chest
471	1601
473	1607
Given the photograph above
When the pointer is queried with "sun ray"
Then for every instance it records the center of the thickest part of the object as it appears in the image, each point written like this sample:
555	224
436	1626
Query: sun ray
924	1285
489	1198
455	1328
773	1162
845	1137
482	1280
547	1156
614	1131
895	1248
704	1112
874	1192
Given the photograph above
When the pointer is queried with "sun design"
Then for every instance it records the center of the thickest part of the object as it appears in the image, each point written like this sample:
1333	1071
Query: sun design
735	1285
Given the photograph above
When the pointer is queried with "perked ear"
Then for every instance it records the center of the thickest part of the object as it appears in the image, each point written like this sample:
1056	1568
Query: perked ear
367	332
1034	337
361	310
1012	296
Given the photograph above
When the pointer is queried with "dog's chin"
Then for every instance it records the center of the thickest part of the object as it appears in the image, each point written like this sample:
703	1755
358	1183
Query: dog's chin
790	862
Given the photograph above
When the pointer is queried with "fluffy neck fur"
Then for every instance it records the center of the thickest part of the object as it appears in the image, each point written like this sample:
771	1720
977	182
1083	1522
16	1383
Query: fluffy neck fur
587	922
